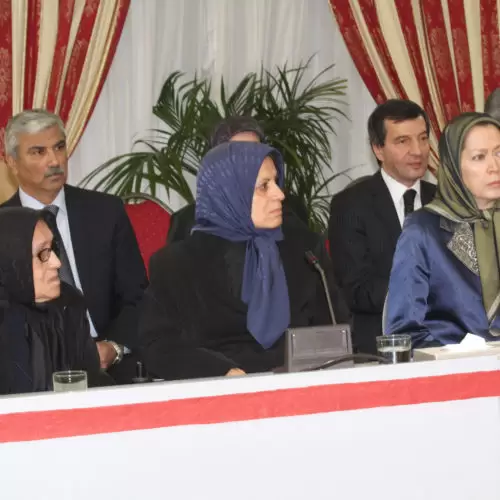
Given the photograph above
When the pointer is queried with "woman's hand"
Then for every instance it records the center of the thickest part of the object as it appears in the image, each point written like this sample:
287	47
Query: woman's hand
235	372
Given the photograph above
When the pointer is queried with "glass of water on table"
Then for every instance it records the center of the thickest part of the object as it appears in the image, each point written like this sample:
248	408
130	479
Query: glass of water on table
395	348
69	381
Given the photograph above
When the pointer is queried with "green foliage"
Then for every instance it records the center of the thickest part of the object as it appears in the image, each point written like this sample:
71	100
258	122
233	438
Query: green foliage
297	117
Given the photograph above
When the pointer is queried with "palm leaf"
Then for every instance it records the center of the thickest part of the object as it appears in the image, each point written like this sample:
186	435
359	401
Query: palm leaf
297	114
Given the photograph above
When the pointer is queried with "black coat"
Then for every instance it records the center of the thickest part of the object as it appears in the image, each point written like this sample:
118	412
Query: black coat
109	263
363	231
193	322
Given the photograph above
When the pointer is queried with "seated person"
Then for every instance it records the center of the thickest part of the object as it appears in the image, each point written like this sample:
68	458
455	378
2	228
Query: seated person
445	279
93	237
43	323
234	128
220	301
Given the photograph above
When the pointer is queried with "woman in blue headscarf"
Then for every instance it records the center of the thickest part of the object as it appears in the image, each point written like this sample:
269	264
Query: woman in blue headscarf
220	301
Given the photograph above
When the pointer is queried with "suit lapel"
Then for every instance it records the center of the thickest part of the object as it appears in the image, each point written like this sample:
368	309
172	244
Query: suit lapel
14	201
80	237
427	192
384	207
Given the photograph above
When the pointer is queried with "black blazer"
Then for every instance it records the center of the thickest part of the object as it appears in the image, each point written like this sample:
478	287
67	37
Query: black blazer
193	322
109	263
363	231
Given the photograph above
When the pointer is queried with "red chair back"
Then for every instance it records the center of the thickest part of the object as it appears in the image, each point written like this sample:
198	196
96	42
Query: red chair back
151	223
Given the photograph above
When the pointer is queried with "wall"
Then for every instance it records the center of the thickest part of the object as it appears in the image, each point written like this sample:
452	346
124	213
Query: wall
219	38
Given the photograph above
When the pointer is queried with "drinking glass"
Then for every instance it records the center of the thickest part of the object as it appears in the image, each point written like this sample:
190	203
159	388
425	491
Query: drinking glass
68	381
395	348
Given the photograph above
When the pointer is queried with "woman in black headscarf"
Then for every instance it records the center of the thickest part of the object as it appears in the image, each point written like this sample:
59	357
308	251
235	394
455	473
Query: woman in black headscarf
43	324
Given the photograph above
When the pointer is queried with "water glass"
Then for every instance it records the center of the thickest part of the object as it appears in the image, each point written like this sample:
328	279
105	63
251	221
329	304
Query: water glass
69	381
395	348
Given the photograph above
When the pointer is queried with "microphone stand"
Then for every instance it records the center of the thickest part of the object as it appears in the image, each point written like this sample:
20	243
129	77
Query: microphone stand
313	260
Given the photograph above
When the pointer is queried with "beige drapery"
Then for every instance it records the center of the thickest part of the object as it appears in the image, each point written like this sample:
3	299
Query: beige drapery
442	54
55	54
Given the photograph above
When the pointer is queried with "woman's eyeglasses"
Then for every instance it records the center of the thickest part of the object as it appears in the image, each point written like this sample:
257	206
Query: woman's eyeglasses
44	254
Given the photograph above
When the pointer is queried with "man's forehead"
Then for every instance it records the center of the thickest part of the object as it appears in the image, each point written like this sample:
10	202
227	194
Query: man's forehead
47	137
405	127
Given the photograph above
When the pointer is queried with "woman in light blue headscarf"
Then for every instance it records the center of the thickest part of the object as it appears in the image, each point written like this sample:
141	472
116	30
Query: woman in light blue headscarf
220	301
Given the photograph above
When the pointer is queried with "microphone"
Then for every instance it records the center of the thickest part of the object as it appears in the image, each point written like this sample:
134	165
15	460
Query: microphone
314	262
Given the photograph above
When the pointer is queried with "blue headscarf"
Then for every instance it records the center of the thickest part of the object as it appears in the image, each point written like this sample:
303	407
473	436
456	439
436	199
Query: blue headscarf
225	188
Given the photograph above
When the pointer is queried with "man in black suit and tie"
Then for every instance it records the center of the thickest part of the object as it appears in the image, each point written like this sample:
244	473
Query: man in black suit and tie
92	233
366	219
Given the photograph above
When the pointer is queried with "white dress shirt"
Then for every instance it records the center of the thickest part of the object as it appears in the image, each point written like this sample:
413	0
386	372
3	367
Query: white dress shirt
397	191
63	226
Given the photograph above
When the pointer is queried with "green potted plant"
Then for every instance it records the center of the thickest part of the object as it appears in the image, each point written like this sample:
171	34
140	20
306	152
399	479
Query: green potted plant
297	117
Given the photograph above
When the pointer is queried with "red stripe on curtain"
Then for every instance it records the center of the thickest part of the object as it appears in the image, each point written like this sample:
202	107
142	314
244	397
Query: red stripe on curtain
78	55
371	19
409	29
490	46
31	57
66	8
462	56
5	68
120	16
354	42
437	44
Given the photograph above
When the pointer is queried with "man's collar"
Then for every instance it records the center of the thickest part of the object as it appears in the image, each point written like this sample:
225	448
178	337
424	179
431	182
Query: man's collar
397	189
30	202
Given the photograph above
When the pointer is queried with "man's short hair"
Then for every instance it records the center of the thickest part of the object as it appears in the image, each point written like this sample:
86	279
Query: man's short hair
397	110
492	105
233	125
30	121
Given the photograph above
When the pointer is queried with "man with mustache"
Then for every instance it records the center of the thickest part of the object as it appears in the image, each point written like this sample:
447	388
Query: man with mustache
366	218
93	236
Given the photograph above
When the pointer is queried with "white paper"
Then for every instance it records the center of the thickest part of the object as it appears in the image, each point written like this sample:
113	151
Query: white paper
469	343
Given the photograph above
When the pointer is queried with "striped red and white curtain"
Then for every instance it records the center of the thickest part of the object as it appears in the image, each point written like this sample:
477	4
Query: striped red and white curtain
55	54
443	54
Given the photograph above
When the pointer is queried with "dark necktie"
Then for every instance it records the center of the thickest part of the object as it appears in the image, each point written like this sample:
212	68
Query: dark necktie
409	201
65	273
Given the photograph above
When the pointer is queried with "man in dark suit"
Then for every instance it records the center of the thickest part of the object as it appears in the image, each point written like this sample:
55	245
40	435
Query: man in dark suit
234	128
95	240
366	219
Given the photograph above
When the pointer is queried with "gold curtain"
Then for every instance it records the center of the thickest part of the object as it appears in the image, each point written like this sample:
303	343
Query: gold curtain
60	69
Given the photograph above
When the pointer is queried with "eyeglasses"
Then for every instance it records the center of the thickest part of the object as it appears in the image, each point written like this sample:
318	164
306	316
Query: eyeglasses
44	254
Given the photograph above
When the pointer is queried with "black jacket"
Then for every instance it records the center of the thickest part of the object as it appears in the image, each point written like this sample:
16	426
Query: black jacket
34	344
193	322
363	231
